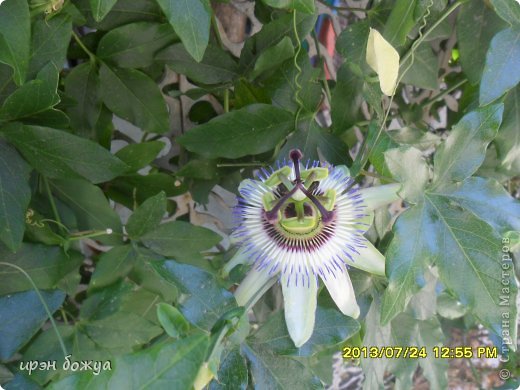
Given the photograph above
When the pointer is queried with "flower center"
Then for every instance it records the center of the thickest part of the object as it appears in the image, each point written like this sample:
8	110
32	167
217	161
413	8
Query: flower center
294	206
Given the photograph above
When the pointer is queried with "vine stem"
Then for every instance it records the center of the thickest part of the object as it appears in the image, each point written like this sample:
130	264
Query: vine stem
440	95
226	100
47	310
297	98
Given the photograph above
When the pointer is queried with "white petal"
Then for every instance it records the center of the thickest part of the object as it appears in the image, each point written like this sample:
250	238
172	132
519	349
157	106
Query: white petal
300	307
254	285
375	197
363	224
341	290
369	259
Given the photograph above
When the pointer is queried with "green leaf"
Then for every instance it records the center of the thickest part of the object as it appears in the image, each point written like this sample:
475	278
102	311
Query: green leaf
172	320
317	144
253	129
180	240
199	169
446	228
330	328
107	301
51	118
409	167
100	8
15	37
204	301
46	347
174	365
50	41
121	332
273	56
408	331
373	95
33	97
123	12
90	206
419	139
135	97
191	20
145	276
120	317
502	69
7	85
509	10
488	200
306	6
58	154
82	85
378	148
280	86
352	43
406	258
424	71
270	371
346	100
474	42
466	245
216	66
134	45
400	22
44	264
232	372
147	216
508	138
113	265
126	188
273	32
464	150
376	335
15	195
138	156
23	314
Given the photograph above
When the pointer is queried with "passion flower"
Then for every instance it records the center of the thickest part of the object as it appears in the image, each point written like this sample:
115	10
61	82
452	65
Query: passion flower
302	223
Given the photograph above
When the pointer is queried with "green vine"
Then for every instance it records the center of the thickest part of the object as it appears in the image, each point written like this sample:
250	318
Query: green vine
299	87
40	297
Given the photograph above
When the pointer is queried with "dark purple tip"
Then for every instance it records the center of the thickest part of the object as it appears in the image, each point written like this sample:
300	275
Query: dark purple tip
295	154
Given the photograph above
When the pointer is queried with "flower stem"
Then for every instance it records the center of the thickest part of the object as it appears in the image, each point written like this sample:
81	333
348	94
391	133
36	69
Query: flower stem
91	55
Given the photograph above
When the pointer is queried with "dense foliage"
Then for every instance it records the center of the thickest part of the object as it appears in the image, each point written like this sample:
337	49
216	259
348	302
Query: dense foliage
126	126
